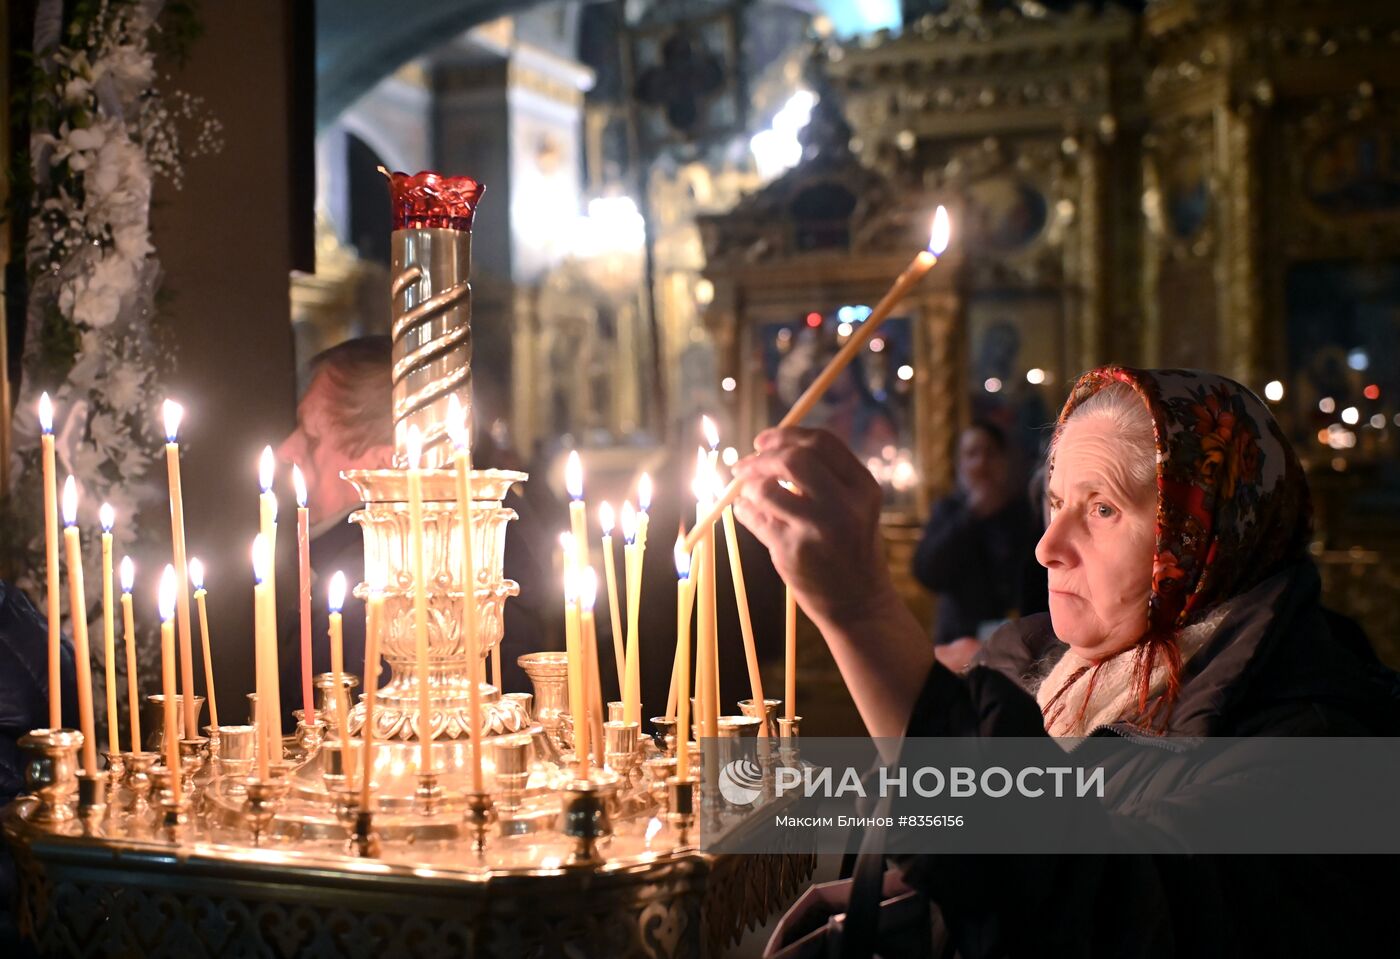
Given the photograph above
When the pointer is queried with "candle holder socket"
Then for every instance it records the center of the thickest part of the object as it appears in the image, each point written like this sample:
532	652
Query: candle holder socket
236	756
479	817
681	807
617	712
92	799
194	760
620	747
665	735
327	686
153	719
116	771
174	817
50	772
512	758
364	841
585	820
769	714
428	797
339	762
660	770
310	736
263	798
549	673
138	780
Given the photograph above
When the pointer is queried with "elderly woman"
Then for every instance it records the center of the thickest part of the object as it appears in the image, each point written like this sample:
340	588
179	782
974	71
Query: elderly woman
1182	603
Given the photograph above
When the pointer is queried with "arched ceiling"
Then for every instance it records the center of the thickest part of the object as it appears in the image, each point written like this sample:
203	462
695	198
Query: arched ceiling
358	42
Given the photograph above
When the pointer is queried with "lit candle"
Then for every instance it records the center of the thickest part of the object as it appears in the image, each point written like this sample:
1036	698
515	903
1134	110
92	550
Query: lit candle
267	527
682	671
420	598
51	559
308	702
572	632
77	605
264	648
644	491
173	412
685	610
741	599
578	516
706	654
107	517
711	431
169	586
460	435
133	697
855	344
588	635
374	623
197	581
789	653
608	521
632	689
335	600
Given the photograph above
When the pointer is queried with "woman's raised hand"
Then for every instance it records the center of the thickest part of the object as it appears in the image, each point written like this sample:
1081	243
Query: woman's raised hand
817	509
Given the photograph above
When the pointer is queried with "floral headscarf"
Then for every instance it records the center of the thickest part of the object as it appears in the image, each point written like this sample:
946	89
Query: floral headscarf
1232	501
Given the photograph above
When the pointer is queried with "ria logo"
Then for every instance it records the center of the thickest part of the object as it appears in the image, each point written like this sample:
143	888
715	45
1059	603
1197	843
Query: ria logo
741	782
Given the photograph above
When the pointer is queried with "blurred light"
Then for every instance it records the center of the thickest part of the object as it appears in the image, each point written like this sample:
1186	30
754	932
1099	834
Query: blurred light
877	345
704	292
1339	464
730	456
728	384
814	320
1035	376
613	225
845	314
1323	436
778	149
1327	404
784	337
992	385
1372	392
888	451
1377	421
905	372
1358	360
1273	391
1351	415
843	329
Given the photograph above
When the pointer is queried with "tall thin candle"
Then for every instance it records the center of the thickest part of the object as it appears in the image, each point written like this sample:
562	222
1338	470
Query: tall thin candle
741	600
55	614
588	638
374	623
682	672
420	599
460	435
631	564
107	517
789	653
172	413
264	649
169	584
267	527
572	631
608	522
335	600
308	703
133	696
77	606
644	491
201	607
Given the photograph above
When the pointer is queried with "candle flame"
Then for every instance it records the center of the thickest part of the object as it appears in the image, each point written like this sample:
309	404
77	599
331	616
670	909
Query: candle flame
45	413
299	484
711	432
413	445
588	589
573	476
606	519
196	573
107	517
682	556
166	596
698	486
941	233
128	569
267	466
644	492
335	592
70	501
457	423
262	559
629	523
172	412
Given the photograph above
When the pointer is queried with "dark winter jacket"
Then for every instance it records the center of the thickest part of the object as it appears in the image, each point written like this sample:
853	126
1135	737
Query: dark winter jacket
1277	665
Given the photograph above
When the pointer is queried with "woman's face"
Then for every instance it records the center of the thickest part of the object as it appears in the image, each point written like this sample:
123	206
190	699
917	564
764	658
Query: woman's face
1098	547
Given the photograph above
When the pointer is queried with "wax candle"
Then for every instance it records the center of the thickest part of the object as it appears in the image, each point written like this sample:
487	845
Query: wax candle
706	652
632	690
166	603
308	702
578	516
644	491
855	344
133	696
173	413
335	600
420	599
107	517
374	623
685	610
588	637
55	614
267	527
741	599
460	435
572	632
201	607
77	606
789	653
608	522
264	648
682	672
